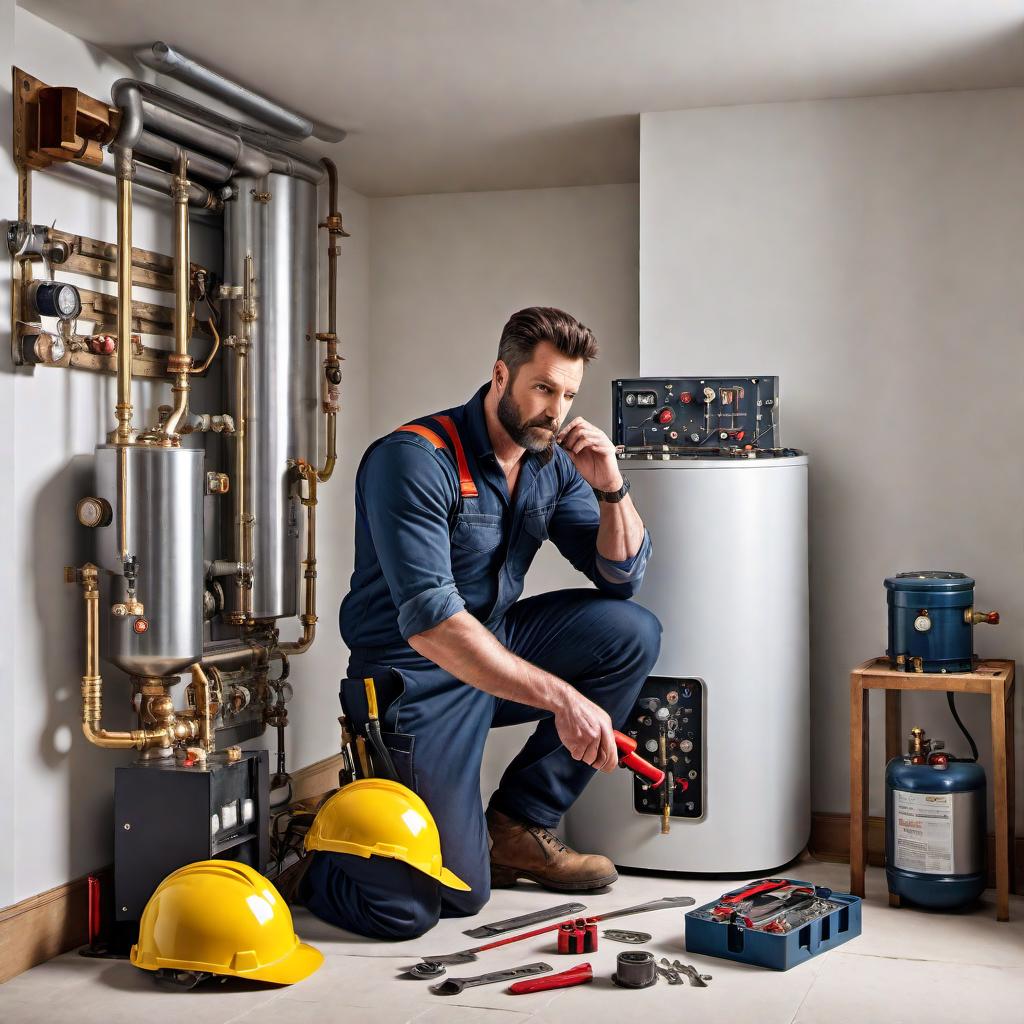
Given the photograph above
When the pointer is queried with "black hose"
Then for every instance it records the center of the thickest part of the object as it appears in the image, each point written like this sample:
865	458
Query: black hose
963	728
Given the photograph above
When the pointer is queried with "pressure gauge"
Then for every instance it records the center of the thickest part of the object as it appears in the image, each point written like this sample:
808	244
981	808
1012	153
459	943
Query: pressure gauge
94	512
922	623
55	298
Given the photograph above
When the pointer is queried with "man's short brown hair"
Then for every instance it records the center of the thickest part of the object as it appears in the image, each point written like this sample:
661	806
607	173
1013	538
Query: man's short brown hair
527	328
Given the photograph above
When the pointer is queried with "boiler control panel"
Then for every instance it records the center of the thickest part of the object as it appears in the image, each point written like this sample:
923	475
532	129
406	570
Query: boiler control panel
696	412
667	723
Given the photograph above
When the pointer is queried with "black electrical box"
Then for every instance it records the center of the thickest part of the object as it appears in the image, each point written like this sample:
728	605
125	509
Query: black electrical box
167	815
739	413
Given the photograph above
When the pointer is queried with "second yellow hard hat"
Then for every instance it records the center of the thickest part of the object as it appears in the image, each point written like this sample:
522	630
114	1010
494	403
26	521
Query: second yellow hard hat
381	818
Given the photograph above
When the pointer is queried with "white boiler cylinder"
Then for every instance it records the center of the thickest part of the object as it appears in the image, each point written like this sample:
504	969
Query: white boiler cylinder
728	580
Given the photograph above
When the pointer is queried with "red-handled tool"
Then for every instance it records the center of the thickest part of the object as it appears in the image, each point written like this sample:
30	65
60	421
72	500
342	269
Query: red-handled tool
578	975
466	956
765	885
629	758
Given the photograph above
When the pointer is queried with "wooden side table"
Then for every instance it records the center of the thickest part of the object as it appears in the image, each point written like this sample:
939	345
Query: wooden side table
993	677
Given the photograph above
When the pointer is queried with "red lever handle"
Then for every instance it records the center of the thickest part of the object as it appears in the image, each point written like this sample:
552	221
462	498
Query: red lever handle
628	758
752	890
578	975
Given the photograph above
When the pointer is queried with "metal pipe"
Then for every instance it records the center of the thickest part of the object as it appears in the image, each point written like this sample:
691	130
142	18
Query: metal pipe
148	177
205	364
92	681
201	688
124	433
243	517
179	363
332	362
252	153
308	618
201	166
162	58
245	159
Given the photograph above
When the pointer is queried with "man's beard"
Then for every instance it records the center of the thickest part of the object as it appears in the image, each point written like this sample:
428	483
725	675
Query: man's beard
525	433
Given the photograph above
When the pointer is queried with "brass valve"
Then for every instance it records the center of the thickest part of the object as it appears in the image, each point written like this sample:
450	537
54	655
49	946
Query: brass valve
130	606
973	618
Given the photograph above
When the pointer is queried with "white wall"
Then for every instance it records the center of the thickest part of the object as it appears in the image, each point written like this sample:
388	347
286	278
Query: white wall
55	810
445	273
871	253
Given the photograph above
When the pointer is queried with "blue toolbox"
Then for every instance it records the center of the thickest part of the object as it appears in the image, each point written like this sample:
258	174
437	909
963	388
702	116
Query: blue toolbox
773	922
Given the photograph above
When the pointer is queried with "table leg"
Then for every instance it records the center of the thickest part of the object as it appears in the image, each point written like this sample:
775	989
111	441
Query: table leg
860	743
1000	801
893	724
1011	780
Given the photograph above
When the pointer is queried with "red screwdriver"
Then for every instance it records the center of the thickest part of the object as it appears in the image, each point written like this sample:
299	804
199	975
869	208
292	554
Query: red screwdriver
629	758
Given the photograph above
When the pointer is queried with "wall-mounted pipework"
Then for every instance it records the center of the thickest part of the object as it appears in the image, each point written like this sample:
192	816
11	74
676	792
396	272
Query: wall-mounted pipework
167	610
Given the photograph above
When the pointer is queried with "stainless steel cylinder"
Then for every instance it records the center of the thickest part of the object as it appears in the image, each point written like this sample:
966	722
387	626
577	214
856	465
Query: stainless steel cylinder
161	492
273	220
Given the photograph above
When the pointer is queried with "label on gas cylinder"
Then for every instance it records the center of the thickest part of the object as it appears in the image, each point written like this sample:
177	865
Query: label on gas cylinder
923	831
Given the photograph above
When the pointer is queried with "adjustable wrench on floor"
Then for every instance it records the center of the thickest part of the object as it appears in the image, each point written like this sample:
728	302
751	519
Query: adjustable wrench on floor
466	956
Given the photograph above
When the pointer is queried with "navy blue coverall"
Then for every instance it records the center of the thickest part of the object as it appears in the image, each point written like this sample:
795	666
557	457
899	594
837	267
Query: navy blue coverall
423	553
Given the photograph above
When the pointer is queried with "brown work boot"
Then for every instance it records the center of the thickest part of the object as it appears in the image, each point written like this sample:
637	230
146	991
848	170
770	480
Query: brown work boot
520	850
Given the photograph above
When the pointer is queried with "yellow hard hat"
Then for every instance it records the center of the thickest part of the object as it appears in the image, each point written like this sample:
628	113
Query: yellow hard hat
222	917
381	818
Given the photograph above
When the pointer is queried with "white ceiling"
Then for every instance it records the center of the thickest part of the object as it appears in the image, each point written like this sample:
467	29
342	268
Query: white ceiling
461	95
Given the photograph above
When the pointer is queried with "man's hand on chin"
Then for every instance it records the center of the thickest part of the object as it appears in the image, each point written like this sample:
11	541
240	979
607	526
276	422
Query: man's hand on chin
592	453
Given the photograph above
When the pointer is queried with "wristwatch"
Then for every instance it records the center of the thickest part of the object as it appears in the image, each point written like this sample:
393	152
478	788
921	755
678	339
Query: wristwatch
613	496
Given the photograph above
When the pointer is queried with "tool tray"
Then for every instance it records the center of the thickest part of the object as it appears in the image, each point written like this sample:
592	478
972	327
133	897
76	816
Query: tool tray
735	940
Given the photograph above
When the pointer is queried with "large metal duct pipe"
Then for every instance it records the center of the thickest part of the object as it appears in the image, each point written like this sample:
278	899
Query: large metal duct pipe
157	148
168	61
138	114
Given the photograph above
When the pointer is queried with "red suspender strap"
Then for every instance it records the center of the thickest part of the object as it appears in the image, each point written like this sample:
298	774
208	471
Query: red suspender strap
467	488
415	428
466	484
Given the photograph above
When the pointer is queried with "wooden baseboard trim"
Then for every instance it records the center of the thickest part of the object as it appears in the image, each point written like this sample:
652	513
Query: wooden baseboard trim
45	925
52	922
830	841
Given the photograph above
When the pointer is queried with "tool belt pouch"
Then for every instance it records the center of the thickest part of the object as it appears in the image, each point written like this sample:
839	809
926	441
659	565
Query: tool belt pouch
366	761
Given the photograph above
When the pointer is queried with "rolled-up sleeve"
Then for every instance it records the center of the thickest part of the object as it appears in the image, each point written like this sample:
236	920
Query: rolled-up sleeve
573	529
408	495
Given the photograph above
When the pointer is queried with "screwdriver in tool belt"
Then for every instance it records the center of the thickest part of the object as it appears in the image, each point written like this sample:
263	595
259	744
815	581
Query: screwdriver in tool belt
373	731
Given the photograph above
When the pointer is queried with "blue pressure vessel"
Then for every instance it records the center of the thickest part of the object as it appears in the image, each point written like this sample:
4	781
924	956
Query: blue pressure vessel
931	622
935	832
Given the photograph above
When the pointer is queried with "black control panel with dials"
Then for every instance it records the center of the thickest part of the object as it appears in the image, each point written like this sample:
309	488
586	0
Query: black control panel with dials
696	412
667	723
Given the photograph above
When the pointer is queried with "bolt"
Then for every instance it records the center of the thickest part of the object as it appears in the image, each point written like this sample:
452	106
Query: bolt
127	827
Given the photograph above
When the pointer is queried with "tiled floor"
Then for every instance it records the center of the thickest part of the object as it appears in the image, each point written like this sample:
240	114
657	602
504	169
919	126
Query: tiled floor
908	966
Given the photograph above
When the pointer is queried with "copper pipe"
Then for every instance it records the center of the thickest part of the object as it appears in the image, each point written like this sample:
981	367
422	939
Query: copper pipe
124	433
332	362
205	364
201	687
92	681
309	617
179	364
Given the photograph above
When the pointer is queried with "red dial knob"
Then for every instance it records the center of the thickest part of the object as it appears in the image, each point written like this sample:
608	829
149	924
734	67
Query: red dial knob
666	416
686	398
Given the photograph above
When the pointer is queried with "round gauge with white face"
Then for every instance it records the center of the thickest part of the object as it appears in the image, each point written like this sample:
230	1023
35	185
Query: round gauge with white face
94	512
55	298
922	623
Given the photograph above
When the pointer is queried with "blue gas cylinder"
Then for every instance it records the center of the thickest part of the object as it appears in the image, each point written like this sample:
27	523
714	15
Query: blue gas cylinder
931	621
935	831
